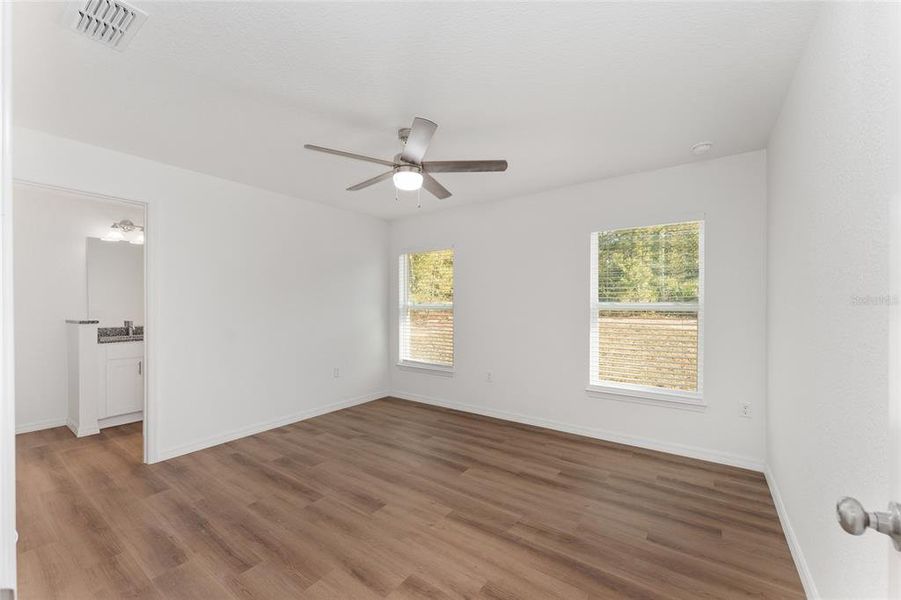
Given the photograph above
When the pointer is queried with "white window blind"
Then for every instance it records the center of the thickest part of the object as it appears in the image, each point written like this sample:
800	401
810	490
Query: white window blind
646	309
426	317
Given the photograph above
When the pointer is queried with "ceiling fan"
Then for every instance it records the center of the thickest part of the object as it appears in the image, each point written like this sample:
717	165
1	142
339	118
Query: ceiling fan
408	170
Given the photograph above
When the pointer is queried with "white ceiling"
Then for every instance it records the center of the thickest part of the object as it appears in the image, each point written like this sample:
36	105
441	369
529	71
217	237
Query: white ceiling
565	92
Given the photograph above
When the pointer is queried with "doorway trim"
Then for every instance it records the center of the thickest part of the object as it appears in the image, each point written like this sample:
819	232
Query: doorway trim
150	433
8	535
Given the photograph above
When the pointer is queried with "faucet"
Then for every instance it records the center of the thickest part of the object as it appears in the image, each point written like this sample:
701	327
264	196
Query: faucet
129	327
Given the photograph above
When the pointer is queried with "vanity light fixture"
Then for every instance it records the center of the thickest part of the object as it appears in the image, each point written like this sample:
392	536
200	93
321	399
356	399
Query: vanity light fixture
114	234
118	230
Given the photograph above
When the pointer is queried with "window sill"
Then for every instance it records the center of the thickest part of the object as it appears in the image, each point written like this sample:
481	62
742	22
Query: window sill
682	401
421	367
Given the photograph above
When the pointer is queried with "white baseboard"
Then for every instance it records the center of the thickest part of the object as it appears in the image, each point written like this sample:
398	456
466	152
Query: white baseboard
716	456
117	420
235	434
810	588
39	425
81	431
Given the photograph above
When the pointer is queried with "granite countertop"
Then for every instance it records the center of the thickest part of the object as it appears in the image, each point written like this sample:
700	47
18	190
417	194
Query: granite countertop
112	335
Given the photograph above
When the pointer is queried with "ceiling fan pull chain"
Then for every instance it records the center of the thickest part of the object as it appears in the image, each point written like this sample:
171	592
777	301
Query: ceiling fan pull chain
419	198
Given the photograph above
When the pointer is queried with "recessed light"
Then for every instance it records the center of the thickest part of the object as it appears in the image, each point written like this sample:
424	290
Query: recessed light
701	148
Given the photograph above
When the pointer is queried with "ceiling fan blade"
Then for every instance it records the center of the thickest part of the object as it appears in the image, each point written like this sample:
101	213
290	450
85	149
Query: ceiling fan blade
418	141
434	188
464	166
387	163
372	181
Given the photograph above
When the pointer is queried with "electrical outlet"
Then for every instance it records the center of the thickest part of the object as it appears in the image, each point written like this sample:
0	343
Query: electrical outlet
489	377
336	373
746	410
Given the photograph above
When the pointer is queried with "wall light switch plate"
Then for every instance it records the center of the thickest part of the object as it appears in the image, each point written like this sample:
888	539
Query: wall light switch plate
746	410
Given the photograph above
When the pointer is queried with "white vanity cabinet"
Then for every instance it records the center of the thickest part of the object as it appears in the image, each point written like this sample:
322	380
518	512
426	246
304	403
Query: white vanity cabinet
124	386
106	380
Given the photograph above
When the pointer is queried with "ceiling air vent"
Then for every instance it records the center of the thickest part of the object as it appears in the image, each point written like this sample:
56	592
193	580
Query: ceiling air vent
113	23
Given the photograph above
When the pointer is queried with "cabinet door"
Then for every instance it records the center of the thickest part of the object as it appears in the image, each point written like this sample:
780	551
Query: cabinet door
124	386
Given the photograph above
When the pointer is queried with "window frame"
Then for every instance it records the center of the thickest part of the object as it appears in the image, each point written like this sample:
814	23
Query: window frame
403	305
646	394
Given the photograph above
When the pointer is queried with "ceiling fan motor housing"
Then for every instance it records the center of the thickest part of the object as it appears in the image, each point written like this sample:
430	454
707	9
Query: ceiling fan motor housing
411	168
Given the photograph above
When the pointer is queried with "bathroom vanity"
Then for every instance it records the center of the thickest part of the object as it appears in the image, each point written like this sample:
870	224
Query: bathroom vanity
106	376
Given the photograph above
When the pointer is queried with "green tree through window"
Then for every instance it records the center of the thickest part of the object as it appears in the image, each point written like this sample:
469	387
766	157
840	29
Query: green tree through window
646	314
427	308
432	277
649	264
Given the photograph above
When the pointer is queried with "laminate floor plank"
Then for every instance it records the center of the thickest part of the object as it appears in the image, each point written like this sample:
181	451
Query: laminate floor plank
391	500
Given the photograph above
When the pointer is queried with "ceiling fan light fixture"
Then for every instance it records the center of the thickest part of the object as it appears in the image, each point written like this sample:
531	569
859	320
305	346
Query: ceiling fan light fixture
407	178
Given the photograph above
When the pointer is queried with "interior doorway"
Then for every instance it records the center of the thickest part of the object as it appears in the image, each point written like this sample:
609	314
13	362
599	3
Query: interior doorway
80	295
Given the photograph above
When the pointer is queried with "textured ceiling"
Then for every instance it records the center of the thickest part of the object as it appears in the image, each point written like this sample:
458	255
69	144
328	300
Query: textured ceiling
565	92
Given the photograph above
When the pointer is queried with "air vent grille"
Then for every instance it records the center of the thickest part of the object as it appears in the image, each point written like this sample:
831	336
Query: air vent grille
111	22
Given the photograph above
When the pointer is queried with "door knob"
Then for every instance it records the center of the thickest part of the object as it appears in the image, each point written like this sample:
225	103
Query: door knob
855	519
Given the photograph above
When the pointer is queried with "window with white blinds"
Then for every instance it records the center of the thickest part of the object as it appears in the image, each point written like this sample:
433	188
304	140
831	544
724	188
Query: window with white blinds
647	302
426	317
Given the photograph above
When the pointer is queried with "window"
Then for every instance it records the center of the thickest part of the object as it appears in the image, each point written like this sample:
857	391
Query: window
647	289
427	309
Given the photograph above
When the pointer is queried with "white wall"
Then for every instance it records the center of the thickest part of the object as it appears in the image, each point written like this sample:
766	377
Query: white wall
115	282
522	306
50	285
255	296
832	171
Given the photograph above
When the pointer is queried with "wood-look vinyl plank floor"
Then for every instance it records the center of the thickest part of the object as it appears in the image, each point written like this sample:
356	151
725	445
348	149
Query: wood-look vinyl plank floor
391	500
